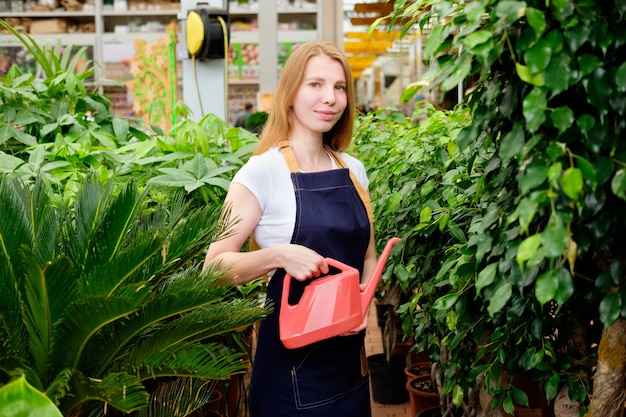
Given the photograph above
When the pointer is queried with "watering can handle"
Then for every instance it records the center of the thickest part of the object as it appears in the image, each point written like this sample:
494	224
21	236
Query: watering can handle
370	287
329	261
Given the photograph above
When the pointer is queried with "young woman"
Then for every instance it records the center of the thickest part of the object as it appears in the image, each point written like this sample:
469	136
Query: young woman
303	199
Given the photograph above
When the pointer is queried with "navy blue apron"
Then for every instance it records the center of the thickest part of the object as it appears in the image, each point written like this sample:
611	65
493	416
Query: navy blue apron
328	378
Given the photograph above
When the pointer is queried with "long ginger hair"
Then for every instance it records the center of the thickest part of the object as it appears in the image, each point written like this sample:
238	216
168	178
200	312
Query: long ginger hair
280	119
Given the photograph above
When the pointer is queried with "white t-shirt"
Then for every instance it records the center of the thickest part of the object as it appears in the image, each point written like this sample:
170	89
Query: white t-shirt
268	178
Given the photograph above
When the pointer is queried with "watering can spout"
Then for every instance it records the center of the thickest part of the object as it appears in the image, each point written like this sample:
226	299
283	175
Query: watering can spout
374	279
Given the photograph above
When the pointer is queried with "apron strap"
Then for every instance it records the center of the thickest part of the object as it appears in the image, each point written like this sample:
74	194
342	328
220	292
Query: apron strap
292	164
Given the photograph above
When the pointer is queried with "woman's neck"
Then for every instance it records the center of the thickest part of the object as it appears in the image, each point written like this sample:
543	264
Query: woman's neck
311	155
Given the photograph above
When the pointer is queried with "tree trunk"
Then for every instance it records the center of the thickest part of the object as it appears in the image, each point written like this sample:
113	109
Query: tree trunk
609	381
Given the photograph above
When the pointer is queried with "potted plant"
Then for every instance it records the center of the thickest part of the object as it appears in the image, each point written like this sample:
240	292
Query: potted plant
105	303
544	186
399	152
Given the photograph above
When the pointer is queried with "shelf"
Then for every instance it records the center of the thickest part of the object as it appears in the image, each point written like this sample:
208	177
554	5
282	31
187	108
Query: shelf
297	36
79	39
48	15
140	13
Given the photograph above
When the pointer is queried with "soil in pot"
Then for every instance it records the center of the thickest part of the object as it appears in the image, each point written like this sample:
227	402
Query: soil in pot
417	369
422	393
387	379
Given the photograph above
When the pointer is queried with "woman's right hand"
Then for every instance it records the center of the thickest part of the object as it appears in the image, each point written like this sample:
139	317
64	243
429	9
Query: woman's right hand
301	262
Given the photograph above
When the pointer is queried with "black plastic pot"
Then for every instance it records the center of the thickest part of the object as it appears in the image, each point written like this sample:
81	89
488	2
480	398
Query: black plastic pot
387	379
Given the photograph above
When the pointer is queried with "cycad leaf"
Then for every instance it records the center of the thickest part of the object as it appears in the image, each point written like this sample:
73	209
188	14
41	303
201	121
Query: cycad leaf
88	209
122	391
137	263
215	319
85	318
208	361
14	232
36	314
117	218
178	398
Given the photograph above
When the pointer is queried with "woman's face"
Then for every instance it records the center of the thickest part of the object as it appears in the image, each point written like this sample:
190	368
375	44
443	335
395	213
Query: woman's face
321	97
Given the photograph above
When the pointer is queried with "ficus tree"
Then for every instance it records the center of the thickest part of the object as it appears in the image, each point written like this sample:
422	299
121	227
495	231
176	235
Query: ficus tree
534	283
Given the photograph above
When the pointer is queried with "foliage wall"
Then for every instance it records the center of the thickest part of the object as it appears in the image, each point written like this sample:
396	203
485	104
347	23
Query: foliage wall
533	281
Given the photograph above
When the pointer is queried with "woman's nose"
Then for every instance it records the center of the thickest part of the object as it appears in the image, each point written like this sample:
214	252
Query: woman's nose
329	95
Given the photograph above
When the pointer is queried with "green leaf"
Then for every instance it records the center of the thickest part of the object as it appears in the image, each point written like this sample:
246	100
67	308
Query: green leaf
618	184
587	64
445	302
572	183
620	78
538	56
519	396
508	405
610	308
510	10
562	118
577	36
512	143
535	175
536	20
476	38
457	395
534	107
554	238
486	277
566	287
559	74
599	89
433	42
552	387
458	75
19	399
524	73
546	287
528	248
500	297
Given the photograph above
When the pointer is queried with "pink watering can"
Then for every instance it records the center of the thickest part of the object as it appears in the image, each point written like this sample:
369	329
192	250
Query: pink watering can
330	306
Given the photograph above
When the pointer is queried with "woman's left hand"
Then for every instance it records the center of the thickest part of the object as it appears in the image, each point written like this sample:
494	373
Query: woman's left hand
362	326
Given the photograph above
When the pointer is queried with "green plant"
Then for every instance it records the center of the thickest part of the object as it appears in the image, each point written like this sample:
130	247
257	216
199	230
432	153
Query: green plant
104	297
256	121
547	235
19	398
54	128
418	181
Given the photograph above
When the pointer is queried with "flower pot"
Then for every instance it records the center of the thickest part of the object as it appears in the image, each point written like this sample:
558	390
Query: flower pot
417	369
422	394
387	379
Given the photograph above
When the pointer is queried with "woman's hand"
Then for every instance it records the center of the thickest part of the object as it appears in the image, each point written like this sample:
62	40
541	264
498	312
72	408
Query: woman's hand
301	262
362	326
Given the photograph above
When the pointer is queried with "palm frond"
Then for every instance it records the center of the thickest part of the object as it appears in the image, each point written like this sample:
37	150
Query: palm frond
86	318
126	342
136	263
88	211
15	231
119	390
207	361
36	315
178	397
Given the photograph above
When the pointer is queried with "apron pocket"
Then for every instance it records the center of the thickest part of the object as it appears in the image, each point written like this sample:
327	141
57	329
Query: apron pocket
320	379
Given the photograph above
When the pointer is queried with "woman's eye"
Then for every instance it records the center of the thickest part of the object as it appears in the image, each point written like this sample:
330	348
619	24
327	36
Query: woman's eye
341	87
